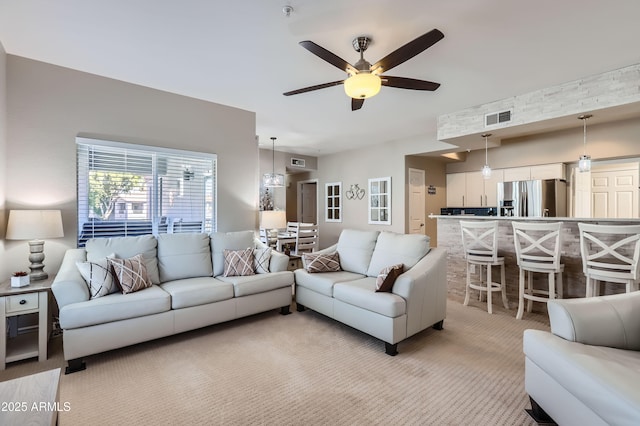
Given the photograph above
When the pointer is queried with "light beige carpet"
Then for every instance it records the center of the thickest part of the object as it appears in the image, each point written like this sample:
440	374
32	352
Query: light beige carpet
306	369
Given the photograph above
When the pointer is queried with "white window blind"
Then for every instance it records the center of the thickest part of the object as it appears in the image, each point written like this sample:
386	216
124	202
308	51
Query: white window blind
128	190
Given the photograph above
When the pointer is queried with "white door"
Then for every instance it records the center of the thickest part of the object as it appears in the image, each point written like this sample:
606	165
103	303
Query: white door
416	202
582	188
614	191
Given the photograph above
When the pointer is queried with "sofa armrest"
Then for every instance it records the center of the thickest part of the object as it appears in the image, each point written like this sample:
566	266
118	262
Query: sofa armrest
424	288
612	321
279	262
69	286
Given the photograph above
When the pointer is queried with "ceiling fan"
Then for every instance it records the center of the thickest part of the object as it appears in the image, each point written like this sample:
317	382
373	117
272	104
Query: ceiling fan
364	79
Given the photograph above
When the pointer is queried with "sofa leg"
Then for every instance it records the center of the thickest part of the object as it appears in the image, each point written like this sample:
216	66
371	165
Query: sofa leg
439	325
75	365
285	310
539	415
299	307
391	349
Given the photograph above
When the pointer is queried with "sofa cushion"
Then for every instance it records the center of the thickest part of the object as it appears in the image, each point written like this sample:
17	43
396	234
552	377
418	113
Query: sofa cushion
99	277
362	293
184	256
197	291
388	276
321	262
238	263
115	307
130	274
393	248
603	379
126	247
323	282
355	249
221	241
259	283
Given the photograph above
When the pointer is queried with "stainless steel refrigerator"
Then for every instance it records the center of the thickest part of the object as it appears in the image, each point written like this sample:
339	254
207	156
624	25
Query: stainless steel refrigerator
533	198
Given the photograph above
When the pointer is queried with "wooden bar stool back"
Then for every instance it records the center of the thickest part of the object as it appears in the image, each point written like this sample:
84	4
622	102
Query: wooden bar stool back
610	253
480	245
538	250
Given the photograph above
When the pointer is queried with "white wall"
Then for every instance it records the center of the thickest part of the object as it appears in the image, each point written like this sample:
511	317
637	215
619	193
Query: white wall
48	106
4	265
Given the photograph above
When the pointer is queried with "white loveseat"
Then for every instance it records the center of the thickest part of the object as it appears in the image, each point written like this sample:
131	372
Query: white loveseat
587	370
418	299
189	291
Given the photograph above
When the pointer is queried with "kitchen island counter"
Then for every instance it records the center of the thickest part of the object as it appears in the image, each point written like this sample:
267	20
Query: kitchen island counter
449	238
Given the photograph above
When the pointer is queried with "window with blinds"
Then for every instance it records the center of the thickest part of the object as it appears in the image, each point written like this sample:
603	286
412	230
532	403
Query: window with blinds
128	190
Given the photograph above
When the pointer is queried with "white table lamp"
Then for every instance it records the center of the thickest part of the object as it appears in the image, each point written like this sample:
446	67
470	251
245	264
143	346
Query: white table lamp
273	219
35	225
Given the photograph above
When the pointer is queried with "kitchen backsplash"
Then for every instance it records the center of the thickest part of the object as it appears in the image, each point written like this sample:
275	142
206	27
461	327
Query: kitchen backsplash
475	211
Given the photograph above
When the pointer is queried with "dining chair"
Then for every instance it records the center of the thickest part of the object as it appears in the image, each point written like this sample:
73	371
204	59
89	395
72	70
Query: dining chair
538	248
306	238
609	253
480	245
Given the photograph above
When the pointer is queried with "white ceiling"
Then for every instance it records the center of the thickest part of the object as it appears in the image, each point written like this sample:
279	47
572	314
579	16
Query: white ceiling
245	54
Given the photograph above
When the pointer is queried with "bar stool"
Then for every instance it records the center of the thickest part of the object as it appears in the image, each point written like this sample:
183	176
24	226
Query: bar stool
480	245
537	250
609	253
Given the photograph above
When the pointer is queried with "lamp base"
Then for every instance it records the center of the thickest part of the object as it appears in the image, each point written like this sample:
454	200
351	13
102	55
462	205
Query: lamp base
36	257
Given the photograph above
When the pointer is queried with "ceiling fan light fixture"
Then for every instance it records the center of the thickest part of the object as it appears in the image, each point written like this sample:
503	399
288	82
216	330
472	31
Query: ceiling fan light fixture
362	85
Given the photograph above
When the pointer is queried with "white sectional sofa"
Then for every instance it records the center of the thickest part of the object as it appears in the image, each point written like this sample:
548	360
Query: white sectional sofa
189	291
418	298
587	370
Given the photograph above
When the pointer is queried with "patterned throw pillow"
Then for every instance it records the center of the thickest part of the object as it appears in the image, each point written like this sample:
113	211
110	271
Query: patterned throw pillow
131	274
238	263
386	277
325	262
98	276
261	258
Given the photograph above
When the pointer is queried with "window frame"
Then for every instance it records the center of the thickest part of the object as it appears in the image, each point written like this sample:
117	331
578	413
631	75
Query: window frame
158	158
330	202
379	204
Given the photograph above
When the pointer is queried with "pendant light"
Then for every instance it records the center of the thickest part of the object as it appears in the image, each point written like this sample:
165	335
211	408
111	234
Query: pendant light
584	163
273	179
486	170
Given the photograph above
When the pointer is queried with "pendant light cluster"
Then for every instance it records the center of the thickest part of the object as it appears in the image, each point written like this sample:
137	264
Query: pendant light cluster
486	170
584	162
273	179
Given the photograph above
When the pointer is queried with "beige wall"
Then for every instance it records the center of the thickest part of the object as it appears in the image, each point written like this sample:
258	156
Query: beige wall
435	174
48	106
604	141
4	265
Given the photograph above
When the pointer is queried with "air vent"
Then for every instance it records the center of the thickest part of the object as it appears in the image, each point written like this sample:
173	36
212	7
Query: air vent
497	118
297	162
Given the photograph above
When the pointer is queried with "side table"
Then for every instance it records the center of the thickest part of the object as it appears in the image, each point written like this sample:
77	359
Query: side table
17	301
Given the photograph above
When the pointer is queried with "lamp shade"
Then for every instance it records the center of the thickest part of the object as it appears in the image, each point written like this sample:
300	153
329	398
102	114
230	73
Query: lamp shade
362	85
273	180
34	224
273	219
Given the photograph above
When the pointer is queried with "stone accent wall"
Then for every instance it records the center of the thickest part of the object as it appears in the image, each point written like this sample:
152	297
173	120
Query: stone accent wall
449	238
610	89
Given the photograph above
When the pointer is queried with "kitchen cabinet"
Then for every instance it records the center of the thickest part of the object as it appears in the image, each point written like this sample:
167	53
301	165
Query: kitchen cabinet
470	189
542	171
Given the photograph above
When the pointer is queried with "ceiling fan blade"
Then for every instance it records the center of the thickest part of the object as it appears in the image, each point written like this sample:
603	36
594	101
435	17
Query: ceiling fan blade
324	54
408	51
312	88
356	104
408	83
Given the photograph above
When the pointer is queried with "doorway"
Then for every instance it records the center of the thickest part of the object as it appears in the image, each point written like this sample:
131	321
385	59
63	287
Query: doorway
308	201
416	201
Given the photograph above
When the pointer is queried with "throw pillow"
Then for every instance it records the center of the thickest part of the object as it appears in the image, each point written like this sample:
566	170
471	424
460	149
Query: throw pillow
324	262
386	277
98	276
131	274
238	263
261	258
